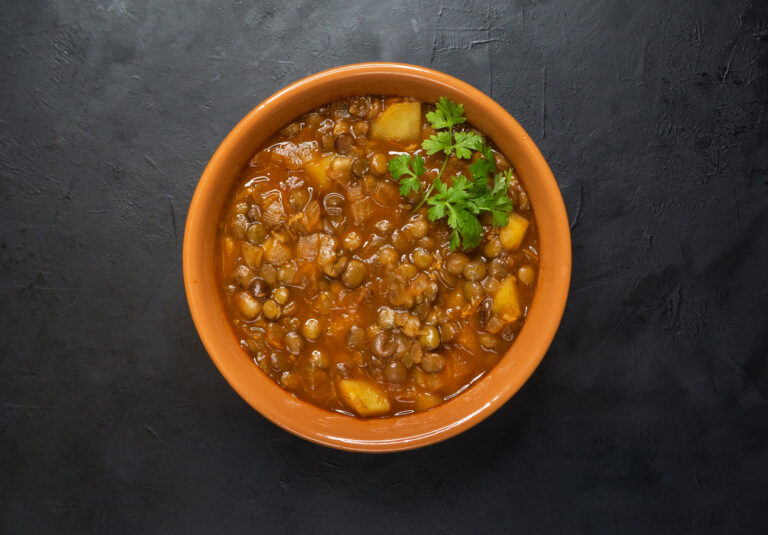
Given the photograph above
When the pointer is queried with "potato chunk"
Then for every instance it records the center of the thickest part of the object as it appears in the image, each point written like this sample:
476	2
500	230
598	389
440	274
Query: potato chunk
512	234
364	397
316	170
427	401
506	302
400	122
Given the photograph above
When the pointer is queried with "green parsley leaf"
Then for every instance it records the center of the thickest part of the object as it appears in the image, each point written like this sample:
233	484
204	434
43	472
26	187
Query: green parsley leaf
461	142
455	201
455	241
470	229
409	183
465	143
448	196
407	169
447	114
442	141
502	204
497	200
482	168
437	207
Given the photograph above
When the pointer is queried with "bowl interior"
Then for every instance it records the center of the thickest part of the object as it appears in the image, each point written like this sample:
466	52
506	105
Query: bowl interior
402	432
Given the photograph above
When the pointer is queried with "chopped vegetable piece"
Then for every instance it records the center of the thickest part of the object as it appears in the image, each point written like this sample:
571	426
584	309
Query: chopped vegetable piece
228	250
274	213
317	170
427	401
506	302
252	255
364	397
512	234
400	122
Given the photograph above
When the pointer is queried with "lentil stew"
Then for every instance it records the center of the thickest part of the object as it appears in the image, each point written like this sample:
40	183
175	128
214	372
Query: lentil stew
352	296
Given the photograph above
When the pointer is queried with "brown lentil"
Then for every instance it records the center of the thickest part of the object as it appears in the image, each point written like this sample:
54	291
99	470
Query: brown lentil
354	275
422	258
395	372
311	329
293	343
433	363
430	339
526	274
456	262
475	270
271	310
281	295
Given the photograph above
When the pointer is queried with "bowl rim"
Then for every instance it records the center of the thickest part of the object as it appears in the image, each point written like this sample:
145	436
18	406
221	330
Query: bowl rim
477	402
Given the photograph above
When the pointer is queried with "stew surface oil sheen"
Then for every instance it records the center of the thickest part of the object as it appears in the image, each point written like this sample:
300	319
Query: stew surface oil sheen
345	296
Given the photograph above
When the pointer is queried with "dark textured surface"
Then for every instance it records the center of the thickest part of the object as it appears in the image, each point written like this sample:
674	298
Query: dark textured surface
649	413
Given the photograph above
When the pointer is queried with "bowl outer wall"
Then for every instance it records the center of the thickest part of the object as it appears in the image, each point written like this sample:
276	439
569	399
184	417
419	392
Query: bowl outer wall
403	432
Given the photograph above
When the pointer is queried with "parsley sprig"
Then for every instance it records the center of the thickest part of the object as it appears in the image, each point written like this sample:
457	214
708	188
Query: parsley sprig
464	199
407	170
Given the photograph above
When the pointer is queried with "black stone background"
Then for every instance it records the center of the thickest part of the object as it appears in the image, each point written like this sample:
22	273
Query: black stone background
648	414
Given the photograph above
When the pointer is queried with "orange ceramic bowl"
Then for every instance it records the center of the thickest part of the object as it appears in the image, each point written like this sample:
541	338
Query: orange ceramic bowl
401	432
